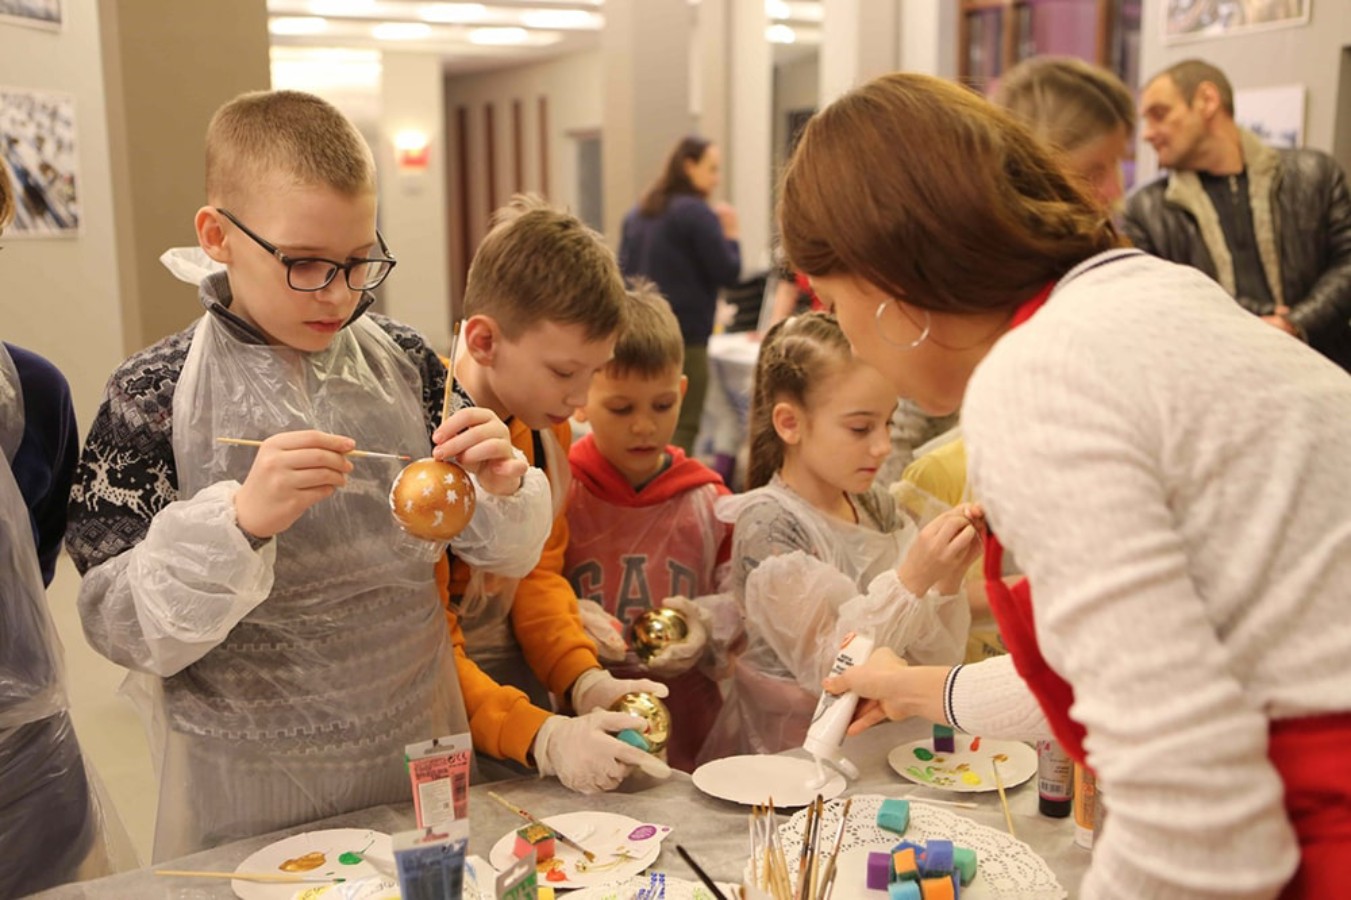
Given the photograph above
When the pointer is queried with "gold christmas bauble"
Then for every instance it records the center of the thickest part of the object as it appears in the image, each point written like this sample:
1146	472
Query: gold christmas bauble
654	629
650	708
432	499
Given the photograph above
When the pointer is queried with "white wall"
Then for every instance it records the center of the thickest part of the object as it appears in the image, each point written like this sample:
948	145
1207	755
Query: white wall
61	296
795	87
1310	55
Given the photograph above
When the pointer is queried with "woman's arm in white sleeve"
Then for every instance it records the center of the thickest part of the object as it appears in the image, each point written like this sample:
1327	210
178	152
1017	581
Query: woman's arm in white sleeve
1195	806
990	698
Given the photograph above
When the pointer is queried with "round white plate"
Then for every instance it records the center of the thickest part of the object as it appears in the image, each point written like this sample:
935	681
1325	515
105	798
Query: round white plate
1006	868
789	780
965	771
609	836
332	843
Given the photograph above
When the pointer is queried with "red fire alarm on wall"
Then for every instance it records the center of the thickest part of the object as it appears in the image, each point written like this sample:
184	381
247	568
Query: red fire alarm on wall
412	151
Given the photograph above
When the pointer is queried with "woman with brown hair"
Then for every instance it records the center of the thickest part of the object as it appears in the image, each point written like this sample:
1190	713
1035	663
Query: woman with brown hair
688	246
1168	471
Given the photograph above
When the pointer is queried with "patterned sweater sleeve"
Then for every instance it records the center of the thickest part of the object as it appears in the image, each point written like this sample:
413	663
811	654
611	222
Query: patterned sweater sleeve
164	579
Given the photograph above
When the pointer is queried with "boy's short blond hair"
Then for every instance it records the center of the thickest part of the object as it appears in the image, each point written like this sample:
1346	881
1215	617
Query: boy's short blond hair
650	343
540	264
265	134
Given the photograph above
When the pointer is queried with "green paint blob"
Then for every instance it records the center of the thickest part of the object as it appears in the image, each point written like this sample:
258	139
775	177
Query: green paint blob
921	774
923	754
351	858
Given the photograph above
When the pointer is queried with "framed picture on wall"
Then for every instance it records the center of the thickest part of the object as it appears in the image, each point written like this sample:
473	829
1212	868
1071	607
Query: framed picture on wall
1274	114
1190	20
34	13
38	151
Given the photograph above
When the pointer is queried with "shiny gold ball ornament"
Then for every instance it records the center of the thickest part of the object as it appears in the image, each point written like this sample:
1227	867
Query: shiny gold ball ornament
432	499
655	629
650	708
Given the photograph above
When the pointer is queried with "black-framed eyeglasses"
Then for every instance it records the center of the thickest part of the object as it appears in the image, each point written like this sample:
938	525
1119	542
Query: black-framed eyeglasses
314	273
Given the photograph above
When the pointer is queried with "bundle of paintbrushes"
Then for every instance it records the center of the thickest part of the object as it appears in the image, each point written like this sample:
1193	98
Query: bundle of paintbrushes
816	869
769	867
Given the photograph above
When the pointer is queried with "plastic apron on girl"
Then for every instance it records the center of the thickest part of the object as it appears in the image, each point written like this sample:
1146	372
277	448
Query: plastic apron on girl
485	609
49	820
302	710
799	606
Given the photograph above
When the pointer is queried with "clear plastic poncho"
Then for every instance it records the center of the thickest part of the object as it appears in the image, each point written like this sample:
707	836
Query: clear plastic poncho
52	826
290	677
805	580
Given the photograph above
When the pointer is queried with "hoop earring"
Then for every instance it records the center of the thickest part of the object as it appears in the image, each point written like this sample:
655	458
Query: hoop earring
923	335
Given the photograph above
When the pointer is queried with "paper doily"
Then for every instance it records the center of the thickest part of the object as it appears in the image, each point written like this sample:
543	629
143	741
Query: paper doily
671	889
1007	868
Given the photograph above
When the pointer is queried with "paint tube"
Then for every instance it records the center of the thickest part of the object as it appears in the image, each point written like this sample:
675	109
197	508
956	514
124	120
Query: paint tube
1055	780
1087	807
833	713
430	861
439	771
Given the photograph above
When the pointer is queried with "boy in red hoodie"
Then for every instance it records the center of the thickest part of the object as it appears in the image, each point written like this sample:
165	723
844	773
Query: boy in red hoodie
642	530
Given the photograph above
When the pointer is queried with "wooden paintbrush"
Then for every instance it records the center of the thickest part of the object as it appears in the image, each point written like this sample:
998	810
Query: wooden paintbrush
449	397
590	857
828	880
242	442
1003	798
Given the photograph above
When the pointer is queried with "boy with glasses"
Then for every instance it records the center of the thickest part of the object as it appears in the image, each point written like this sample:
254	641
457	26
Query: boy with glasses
291	636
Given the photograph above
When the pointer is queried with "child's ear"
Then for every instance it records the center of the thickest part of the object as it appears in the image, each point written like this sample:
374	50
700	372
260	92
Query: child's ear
684	385
787	422
481	337
211	234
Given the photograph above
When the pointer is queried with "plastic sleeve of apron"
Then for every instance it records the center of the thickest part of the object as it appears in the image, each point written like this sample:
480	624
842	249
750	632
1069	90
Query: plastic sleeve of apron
165	603
928	631
507	534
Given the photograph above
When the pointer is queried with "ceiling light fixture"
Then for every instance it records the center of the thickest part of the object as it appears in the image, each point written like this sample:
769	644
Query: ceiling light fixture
453	13
402	31
780	34
560	18
297	25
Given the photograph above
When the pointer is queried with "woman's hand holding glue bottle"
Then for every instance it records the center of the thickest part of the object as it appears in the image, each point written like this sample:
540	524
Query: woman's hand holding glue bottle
834	711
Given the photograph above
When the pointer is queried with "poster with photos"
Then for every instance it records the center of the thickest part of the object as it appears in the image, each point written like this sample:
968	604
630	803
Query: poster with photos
34	13
38	151
1189	20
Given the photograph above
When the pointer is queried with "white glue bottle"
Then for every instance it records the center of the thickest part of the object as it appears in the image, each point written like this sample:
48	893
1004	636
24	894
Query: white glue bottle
833	712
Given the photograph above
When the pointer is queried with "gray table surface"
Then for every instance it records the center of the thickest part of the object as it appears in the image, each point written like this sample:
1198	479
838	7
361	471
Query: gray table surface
713	831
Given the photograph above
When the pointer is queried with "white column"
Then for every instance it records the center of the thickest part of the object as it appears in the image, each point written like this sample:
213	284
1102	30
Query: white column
749	153
859	41
928	40
645	50
412	200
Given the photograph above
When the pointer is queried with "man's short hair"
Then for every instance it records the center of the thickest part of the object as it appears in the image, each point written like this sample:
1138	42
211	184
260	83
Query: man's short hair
650	343
1189	74
288	134
540	264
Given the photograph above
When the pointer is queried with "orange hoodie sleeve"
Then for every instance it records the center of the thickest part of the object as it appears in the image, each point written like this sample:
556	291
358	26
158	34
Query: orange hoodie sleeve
544	612
502	721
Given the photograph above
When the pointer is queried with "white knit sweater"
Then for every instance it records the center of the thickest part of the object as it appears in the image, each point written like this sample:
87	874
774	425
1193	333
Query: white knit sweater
1174	476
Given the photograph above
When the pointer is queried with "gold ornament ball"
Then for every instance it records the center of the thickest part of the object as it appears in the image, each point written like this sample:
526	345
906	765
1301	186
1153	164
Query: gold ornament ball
654	629
432	499
650	708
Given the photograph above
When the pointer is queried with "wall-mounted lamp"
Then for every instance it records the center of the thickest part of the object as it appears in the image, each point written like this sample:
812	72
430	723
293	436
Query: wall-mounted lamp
412	150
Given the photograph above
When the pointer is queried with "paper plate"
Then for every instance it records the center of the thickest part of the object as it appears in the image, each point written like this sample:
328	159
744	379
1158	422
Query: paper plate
965	770
1006	868
348	853
750	780
623	848
653	887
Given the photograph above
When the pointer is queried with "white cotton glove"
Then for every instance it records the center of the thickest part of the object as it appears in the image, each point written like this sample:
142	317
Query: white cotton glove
680	657
604	629
597	689
587	757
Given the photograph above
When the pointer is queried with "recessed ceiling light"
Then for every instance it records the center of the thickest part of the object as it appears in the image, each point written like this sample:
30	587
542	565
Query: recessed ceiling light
297	25
453	12
499	37
778	9
402	31
560	18
780	34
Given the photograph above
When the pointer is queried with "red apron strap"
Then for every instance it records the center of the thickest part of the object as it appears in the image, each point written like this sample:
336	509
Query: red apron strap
1311	757
1012	608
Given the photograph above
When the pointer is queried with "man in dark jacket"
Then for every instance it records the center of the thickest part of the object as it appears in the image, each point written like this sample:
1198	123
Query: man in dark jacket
1273	227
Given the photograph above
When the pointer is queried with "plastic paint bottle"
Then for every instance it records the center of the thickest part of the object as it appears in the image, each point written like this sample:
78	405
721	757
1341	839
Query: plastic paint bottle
832	715
1087	813
1055	780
